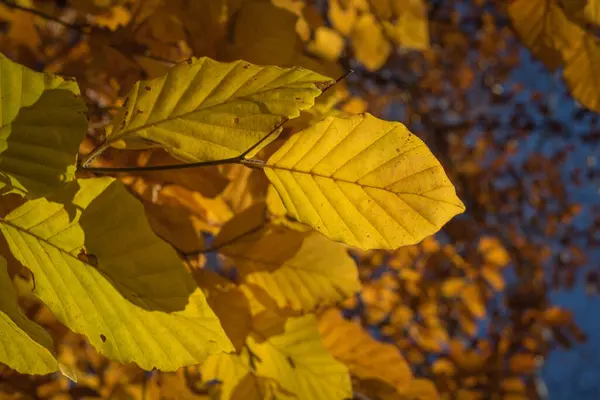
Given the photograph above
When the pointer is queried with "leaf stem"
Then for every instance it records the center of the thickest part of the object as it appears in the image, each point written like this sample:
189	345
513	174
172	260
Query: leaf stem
110	170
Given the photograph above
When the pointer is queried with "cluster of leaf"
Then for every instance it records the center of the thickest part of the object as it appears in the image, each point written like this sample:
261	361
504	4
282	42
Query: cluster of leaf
409	297
563	34
100	270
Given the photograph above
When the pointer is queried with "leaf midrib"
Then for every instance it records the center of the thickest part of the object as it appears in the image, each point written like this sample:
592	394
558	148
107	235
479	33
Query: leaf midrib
311	173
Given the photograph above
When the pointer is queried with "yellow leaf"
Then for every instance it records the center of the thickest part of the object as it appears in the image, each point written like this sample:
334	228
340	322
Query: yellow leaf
443	366
364	356
24	345
41	127
264	34
22	28
422	389
583	12
523	363
472	298
230	304
453	287
342	16
102	272
366	182
494	278
299	362
411	28
236	378
513	385
327	44
493	251
545	29
207	110
369	43
581	74
298	269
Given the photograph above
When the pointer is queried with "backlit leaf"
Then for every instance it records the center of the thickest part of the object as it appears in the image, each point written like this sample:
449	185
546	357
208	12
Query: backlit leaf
237	382
544	28
207	110
411	29
24	345
300	363
364	356
369	43
298	269
102	272
366	182
42	124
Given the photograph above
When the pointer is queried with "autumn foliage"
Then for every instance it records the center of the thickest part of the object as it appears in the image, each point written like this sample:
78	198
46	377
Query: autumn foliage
213	199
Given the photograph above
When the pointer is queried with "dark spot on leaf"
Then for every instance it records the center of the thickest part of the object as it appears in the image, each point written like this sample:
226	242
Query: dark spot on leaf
236	120
190	61
289	360
246	66
103	338
140	111
298	98
148	88
88	258
397	150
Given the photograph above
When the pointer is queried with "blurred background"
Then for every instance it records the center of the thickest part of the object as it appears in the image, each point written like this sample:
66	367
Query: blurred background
503	302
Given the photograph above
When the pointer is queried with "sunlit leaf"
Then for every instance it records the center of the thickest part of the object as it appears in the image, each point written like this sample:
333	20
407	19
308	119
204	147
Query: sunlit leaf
300	363
363	181
24	345
369	43
364	356
207	110
105	276
411	29
235	378
42	124
298	269
545	29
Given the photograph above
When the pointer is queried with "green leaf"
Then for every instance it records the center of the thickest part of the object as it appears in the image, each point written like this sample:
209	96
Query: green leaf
24	345
42	123
301	270
366	182
100	269
207	110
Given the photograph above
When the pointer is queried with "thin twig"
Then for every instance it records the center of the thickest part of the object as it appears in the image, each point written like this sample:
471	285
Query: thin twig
168	167
227	242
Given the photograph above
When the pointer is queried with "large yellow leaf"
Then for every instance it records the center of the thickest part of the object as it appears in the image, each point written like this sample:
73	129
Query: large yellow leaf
301	270
207	110
102	272
24	345
365	357
299	362
364	181
42	123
